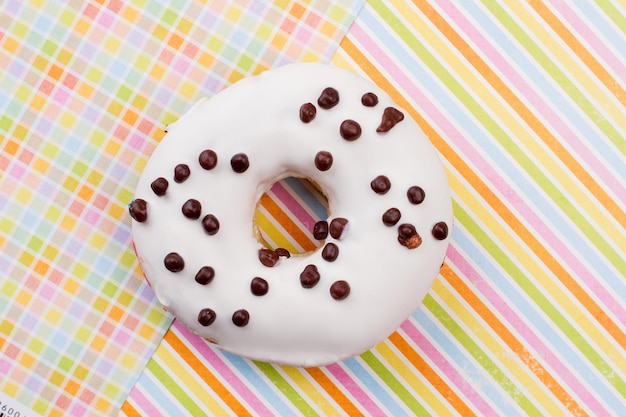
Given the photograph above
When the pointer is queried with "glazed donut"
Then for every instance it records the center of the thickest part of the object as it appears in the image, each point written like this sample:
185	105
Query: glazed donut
383	244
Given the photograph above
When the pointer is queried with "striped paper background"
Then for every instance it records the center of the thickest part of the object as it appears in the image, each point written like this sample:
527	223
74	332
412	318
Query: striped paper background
85	88
525	103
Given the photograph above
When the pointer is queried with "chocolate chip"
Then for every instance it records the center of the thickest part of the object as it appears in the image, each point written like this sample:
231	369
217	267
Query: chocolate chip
282	252
337	226
350	130
192	209
320	230
339	290
369	100
138	210
240	163
241	318
330	252
259	286
210	224
207	159
205	275
391	217
328	99
408	236
181	172
310	276
323	160
268	257
206	317
159	186
415	194
391	117
380	184
440	231
174	262
307	112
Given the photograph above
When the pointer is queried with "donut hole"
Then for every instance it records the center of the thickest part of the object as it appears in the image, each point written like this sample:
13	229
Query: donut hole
286	213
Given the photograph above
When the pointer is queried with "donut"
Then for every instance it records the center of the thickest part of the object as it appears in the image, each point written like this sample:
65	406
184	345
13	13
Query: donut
382	246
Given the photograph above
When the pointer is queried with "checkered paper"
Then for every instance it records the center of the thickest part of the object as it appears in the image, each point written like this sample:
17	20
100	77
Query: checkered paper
85	88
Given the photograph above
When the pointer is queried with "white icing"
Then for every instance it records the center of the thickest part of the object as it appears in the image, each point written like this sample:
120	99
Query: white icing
259	116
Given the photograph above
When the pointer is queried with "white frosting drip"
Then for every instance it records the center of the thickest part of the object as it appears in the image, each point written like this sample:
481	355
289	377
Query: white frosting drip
259	116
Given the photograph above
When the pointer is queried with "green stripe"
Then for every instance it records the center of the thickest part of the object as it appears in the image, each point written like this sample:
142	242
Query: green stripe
480	356
286	389
498	133
579	98
613	13
392	382
536	295
175	389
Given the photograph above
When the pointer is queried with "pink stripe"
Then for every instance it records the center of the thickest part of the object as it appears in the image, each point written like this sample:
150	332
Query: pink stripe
447	369
353	388
293	205
595	44
145	404
497	183
519	324
222	368
540	107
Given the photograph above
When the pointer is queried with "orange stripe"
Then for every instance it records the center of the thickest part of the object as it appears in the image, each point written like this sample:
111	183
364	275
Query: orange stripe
542	132
205	374
287	223
572	41
422	366
487	194
129	410
336	394
511	341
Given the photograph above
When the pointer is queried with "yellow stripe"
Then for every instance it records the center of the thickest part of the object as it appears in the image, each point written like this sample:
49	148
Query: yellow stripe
264	223
509	119
299	378
426	393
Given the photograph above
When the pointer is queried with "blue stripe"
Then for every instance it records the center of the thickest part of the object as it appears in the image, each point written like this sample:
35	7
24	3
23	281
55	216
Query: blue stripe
157	390
305	194
535	197
601	24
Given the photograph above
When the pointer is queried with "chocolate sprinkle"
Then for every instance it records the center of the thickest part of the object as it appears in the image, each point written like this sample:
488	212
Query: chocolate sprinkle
380	184
307	112
337	226
159	186
205	275
415	194
369	100
192	209
207	159
440	231
174	262
391	117
310	276
210	224
328	99
138	210
323	160
206	317
330	252
339	290
320	230
268	257
241	318
350	130
259	286
282	252
408	236
181	172
240	163
391	217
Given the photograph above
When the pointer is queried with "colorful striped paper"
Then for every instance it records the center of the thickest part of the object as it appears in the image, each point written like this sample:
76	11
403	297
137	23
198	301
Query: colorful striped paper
525	103
85	90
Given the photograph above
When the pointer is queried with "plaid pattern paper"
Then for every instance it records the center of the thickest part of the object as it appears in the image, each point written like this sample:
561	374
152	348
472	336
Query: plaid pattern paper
85	88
